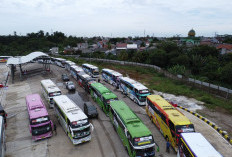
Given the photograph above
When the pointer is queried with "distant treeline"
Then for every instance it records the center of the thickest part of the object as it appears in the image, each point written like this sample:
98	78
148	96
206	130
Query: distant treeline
200	62
16	45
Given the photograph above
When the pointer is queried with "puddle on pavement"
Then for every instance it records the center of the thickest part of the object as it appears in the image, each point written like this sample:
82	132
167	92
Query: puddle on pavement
189	103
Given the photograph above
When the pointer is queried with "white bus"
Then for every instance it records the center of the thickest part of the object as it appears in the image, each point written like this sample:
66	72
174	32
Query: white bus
195	145
74	70
134	90
60	62
2	137
111	76
68	64
73	120
50	90
92	70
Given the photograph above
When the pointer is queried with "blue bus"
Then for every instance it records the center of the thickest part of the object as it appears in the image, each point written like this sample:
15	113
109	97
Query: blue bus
91	70
134	90
111	76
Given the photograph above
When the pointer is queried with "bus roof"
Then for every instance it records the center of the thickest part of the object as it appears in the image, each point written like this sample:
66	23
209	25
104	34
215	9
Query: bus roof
50	86
60	59
69	108
134	83
35	106
199	145
100	87
115	73
109	95
90	66
134	125
172	113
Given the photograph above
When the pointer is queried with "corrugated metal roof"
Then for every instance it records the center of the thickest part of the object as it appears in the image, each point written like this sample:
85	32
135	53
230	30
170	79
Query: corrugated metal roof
25	59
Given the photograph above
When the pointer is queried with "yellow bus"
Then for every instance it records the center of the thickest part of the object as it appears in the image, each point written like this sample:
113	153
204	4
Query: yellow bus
170	121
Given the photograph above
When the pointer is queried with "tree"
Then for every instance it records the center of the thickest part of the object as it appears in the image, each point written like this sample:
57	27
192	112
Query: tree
211	68
226	73
204	50
123	55
157	57
196	63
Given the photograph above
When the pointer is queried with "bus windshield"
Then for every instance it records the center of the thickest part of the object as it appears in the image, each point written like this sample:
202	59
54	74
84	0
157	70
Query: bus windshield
184	128
81	133
41	129
95	72
110	100
40	120
138	141
54	94
142	98
145	152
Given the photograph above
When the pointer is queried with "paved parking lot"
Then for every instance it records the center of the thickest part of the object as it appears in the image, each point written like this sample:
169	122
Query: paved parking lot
105	142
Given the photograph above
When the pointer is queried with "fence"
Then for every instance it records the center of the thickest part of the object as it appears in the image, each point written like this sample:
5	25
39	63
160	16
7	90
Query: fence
211	88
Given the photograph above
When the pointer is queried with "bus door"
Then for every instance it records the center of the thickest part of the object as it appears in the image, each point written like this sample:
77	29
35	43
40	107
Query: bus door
173	134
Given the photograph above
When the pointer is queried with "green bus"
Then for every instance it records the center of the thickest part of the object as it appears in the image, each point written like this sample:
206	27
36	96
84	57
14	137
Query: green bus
102	95
136	137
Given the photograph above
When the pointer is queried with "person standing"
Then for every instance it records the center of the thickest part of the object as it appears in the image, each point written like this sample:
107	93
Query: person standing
55	129
168	146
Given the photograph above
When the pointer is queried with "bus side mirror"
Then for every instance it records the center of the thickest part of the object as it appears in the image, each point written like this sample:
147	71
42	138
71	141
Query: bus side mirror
30	128
91	126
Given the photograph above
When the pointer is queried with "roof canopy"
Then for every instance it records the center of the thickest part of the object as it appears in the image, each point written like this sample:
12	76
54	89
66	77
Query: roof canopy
25	59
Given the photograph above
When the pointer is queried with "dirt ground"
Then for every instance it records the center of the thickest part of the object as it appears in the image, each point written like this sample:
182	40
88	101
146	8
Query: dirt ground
219	117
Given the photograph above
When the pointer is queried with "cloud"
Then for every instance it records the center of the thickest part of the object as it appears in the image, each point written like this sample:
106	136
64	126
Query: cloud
119	17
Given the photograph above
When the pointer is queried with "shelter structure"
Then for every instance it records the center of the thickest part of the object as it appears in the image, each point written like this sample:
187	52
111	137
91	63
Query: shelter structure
30	58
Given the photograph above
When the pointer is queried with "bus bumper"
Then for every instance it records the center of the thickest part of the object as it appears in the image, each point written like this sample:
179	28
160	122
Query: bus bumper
83	140
40	137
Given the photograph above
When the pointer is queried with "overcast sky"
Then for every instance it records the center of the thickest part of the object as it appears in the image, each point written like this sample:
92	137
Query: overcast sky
116	17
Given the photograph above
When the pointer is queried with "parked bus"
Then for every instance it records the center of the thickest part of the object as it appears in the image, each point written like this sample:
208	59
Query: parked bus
40	124
60	62
3	59
111	76
50	90
2	136
170	121
102	95
91	70
135	136
134	90
3	114
84	80
73	120
68	64
195	145
74	70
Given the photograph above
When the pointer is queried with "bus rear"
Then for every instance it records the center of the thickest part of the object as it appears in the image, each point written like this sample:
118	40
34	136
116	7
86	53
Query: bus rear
50	90
195	145
40	124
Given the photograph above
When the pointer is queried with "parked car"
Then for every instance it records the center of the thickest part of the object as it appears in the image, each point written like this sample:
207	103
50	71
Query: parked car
70	86
65	77
90	110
